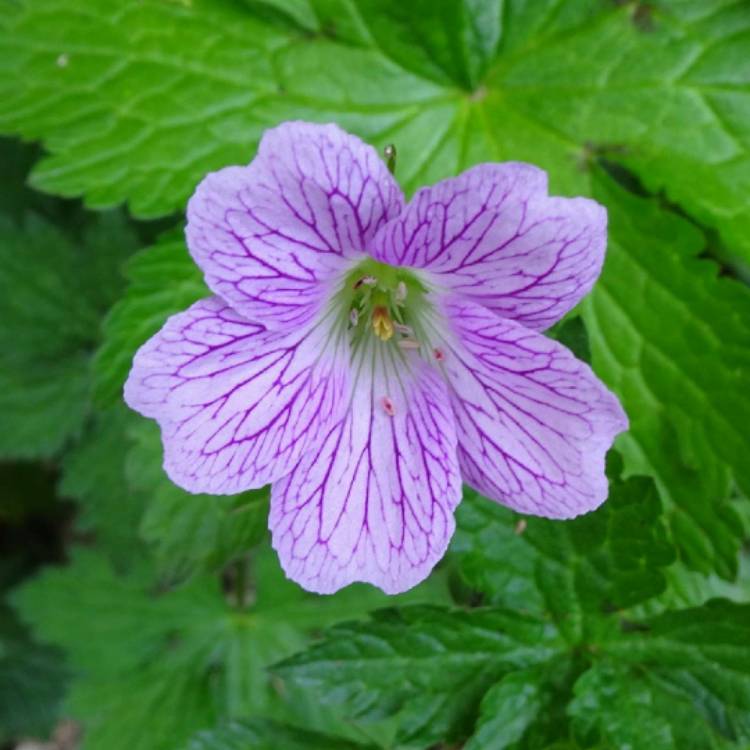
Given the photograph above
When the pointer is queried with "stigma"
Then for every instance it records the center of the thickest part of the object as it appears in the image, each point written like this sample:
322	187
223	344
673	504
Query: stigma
382	323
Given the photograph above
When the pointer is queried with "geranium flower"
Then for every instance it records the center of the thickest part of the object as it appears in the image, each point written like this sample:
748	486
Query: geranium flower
366	356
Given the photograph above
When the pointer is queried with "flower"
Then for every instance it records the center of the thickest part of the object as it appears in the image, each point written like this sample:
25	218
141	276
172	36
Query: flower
365	356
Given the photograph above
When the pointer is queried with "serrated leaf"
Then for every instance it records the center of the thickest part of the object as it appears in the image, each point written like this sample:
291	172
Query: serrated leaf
508	709
32	681
610	559
153	667
677	681
614	708
53	290
671	338
451	42
698	658
162	280
267	735
659	89
430	666
93	474
150	95
190	533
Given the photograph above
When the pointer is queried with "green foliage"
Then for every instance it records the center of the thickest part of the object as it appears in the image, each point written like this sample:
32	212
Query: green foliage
267	735
429	665
680	680
508	709
53	290
671	338
154	666
93	474
450	42
158	109
32	678
190	532
613	558
657	89
147	303
601	632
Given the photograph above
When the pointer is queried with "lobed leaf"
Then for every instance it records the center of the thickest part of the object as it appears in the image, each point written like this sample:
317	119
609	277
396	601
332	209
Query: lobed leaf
53	291
671	338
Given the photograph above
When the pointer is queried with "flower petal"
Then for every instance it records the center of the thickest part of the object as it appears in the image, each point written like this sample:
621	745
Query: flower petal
273	237
237	404
374	500
534	423
493	234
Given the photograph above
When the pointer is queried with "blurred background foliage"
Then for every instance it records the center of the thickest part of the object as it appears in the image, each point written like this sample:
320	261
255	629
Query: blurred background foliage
158	620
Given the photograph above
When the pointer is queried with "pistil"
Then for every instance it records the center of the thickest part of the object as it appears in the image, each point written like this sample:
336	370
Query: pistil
382	323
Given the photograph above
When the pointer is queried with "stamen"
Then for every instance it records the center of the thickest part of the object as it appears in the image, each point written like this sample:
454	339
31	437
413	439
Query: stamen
390	157
408	344
382	323
401	328
388	406
439	354
353	316
400	293
366	281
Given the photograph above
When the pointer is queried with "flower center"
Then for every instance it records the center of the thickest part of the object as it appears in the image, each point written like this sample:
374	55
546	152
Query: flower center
384	301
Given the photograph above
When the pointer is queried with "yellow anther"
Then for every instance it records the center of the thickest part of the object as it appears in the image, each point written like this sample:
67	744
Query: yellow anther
382	323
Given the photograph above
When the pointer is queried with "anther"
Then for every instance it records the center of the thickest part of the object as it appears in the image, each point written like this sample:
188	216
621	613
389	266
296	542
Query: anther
401	328
382	323
365	281
388	406
390	157
408	344
353	316
439	354
401	293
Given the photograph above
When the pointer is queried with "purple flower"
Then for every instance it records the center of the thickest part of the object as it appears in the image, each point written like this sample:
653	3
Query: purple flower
366	357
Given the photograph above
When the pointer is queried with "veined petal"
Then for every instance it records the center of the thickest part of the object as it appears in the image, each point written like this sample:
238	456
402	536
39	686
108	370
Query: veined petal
237	404
494	235
373	500
273	237
534	423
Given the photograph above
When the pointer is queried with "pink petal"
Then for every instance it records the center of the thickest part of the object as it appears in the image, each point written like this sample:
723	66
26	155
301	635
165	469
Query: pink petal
534	423
373	501
273	237
494	235
237	404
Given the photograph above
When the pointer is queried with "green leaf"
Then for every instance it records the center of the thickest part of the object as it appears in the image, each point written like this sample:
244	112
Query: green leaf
162	280
32	680
661	92
155	666
267	735
53	291
508	709
299	12
677	681
658	89
428	665
615	706
610	559
670	337
150	96
94	476
698	656
451	42
190	533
